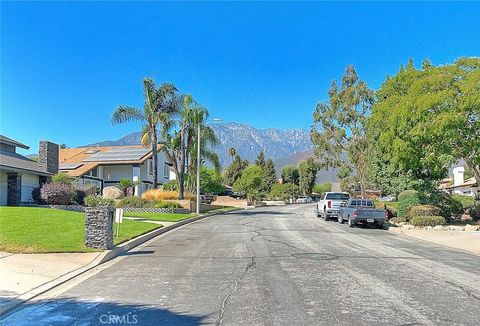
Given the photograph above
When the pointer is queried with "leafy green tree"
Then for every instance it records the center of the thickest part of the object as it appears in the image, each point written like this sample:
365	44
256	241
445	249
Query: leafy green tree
269	177
290	174
321	188
308	173
171	185
249	182
339	126
234	171
284	191
211	181
423	121
159	105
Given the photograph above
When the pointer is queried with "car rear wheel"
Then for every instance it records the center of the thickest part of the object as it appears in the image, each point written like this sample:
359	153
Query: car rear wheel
340	219
350	222
379	225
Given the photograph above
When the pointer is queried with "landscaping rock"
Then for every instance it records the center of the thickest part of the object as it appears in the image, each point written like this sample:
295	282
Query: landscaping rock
439	228
113	192
456	228
429	227
408	227
470	227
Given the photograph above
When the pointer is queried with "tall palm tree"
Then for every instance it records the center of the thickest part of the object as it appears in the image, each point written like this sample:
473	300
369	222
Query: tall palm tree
159	105
180	145
232	152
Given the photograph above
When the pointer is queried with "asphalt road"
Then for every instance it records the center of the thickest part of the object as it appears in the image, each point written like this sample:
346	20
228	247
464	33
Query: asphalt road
273	266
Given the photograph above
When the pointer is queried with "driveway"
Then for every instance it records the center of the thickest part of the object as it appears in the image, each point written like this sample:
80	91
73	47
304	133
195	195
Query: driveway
273	266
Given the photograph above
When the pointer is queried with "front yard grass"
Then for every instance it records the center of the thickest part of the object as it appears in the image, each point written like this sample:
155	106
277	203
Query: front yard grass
43	230
167	217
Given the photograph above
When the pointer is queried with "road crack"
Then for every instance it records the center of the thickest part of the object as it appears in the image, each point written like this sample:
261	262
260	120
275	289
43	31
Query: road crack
468	292
251	265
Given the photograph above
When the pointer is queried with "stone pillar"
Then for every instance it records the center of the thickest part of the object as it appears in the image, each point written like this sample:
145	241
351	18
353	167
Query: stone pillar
48	157
14	189
99	227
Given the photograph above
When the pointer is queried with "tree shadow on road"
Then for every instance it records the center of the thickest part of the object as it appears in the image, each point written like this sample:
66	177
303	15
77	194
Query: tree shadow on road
78	312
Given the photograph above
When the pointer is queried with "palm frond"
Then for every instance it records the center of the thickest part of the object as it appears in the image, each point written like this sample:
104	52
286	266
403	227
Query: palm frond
124	114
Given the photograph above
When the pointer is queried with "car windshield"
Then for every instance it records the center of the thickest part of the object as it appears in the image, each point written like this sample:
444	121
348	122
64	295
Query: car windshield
338	196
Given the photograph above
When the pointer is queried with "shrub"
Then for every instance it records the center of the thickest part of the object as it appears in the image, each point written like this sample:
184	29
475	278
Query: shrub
79	197
62	178
96	201
427	220
168	204
57	193
465	201
423	210
37	196
448	206
407	199
171	185
159	194
474	211
136	202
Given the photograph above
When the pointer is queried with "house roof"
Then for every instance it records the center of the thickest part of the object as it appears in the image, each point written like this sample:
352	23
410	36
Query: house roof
468	183
19	163
10	141
77	162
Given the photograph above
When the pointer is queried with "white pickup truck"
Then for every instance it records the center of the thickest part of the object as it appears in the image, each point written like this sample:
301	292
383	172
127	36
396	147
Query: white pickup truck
330	203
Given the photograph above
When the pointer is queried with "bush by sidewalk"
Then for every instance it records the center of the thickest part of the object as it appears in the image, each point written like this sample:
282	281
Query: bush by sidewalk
427	220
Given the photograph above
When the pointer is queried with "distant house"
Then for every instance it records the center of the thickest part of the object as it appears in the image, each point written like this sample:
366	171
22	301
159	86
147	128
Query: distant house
105	166
19	174
461	186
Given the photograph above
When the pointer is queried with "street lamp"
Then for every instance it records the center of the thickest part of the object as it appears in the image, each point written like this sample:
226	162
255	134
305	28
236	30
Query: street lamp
199	162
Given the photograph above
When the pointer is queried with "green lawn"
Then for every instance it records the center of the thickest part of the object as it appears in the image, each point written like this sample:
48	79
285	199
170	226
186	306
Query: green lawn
380	204
159	216
42	230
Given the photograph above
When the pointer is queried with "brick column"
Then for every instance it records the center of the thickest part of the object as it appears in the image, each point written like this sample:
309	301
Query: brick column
14	189
99	227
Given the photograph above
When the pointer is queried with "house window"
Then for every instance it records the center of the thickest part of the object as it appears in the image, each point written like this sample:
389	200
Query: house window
166	171
150	166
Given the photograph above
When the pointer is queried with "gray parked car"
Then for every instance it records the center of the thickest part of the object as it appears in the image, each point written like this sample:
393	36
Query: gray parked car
363	211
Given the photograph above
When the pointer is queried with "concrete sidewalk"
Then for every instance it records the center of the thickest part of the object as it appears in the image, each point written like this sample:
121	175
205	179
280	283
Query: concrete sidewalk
463	240
21	273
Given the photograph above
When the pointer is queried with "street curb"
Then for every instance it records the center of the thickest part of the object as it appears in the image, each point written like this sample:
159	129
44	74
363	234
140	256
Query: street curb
100	259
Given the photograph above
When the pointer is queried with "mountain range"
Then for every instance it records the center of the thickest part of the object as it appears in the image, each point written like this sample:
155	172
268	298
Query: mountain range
285	147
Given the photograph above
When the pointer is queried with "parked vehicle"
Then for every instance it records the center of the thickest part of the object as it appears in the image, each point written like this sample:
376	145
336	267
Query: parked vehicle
362	211
304	200
387	198
329	204
207	198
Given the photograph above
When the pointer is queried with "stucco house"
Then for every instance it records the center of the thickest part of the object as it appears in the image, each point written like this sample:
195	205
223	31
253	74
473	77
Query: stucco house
461	186
105	166
19	174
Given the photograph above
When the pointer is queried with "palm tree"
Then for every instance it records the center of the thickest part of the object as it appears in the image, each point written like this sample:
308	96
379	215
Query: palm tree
232	152
180	145
159	105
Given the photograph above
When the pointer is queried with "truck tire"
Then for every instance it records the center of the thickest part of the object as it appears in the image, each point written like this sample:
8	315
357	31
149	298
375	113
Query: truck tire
350	222
325	216
379	225
340	219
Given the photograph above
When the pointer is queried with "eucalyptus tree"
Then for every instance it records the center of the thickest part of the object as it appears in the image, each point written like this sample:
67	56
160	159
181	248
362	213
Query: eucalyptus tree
158	108
339	131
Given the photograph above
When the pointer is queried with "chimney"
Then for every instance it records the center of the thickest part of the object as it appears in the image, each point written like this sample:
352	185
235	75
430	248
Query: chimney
48	156
458	175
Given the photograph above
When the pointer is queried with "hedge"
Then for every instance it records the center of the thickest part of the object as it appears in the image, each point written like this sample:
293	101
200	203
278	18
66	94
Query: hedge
407	199
465	201
424	210
427	220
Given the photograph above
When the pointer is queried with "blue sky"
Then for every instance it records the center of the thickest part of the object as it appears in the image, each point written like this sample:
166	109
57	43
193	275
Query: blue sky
66	66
